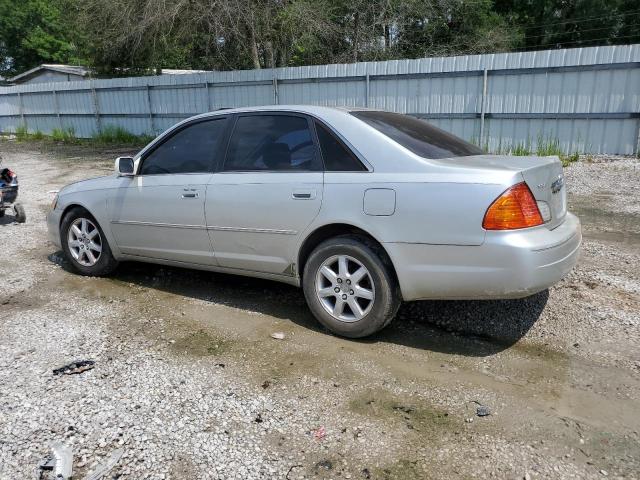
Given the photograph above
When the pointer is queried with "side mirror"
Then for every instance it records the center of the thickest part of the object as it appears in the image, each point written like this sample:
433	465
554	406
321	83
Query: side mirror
124	166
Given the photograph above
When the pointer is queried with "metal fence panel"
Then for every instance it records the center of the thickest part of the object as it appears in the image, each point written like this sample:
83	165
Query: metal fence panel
585	99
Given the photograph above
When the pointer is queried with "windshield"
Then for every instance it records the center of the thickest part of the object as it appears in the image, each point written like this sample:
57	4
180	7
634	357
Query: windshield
417	135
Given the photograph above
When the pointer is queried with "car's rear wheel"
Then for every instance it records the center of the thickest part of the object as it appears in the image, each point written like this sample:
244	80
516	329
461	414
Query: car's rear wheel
349	286
85	244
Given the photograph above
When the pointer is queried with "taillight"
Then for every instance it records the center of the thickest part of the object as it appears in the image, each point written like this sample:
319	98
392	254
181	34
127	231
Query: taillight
515	208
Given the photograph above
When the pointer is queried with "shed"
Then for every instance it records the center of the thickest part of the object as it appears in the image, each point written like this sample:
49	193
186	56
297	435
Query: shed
50	73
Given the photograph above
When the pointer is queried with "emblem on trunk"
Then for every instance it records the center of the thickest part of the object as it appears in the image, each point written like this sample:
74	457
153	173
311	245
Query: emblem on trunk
556	186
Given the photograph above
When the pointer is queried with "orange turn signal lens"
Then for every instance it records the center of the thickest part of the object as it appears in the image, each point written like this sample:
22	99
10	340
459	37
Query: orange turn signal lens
515	208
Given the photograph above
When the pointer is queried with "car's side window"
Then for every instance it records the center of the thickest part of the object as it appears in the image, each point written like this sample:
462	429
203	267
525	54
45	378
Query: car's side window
190	150
272	143
336	156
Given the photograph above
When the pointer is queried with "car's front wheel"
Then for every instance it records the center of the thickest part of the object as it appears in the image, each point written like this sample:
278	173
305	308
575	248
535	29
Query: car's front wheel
349	288
85	245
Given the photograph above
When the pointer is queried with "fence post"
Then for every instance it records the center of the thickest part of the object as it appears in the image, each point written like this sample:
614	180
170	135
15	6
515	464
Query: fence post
366	90
276	100
23	122
206	87
483	105
96	107
56	105
638	141
153	130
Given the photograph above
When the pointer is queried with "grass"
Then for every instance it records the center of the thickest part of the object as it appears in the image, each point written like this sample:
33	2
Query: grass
64	135
544	147
109	135
22	133
116	135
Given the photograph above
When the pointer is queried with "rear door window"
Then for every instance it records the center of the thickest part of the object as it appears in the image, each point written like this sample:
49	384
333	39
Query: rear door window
272	143
336	156
417	135
190	150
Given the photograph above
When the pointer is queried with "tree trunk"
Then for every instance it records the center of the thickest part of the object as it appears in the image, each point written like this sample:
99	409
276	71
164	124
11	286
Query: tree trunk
253	49
356	21
269	56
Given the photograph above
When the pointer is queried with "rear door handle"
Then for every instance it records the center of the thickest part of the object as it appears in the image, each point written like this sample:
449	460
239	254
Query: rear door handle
190	195
304	194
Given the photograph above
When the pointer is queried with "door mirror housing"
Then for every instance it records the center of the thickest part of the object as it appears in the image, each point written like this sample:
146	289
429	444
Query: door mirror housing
124	166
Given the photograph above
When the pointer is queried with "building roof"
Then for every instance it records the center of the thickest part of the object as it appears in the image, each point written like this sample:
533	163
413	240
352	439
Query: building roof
68	69
176	71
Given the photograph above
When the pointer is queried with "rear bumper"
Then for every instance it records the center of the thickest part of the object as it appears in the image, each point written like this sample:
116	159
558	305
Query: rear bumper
53	227
510	264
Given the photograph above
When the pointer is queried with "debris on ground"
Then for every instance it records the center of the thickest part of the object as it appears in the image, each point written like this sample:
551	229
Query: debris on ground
324	464
277	335
107	465
75	367
60	462
266	384
258	418
483	411
320	433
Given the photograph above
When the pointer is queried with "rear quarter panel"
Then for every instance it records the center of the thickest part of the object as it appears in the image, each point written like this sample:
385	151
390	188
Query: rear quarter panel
432	212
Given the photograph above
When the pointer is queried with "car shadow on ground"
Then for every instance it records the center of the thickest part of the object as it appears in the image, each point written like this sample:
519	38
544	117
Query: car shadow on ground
470	328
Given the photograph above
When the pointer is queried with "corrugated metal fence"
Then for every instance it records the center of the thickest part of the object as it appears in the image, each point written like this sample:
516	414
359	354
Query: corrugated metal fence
586	98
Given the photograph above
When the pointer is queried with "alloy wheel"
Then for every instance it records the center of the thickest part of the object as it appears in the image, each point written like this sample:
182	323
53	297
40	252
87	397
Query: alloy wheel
345	288
85	242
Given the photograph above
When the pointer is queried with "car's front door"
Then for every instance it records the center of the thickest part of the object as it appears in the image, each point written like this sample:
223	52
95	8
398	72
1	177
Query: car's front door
267	193
159	212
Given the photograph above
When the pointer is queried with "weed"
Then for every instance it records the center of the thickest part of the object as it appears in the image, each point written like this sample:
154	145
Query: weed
114	134
521	149
22	133
38	135
64	135
548	146
569	159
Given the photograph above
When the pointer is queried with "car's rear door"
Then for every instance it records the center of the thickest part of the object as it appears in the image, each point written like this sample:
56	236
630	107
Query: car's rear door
159	213
266	194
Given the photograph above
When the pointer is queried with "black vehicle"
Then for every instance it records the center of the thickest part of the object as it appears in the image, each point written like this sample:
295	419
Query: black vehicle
9	194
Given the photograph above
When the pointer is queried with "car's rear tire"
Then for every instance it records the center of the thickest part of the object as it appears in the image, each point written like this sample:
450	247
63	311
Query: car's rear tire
85	244
350	287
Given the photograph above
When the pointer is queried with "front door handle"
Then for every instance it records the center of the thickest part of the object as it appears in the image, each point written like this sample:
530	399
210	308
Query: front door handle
190	195
304	194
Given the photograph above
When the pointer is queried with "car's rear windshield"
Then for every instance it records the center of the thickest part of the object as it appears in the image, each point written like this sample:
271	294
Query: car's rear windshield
417	135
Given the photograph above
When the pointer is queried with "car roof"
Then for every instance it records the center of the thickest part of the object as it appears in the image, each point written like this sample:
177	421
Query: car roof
317	110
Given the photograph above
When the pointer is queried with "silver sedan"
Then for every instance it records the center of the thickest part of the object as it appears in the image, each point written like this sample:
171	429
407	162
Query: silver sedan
361	208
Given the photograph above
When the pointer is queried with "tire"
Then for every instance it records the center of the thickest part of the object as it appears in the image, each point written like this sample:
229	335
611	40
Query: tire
1	212
376	293
80	244
21	216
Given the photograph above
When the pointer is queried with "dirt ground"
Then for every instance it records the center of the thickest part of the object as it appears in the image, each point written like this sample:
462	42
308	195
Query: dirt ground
189	383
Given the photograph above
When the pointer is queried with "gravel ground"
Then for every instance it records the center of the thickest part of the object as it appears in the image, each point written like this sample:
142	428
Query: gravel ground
190	384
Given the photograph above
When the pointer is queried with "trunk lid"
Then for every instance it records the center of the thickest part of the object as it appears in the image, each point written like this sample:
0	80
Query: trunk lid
546	182
543	175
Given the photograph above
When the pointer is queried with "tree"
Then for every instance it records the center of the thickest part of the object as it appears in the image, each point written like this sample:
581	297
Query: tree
37	31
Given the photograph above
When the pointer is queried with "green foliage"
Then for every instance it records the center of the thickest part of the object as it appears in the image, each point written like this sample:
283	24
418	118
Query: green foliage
38	31
572	157
22	133
132	37
38	135
521	149
64	135
116	135
547	146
